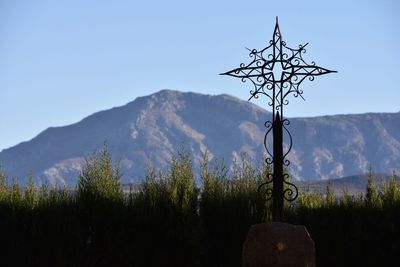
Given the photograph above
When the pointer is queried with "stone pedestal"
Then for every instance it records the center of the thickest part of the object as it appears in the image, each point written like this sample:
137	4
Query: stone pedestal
277	244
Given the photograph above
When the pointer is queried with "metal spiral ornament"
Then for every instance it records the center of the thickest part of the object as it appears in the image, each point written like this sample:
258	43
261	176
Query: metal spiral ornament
266	187
276	72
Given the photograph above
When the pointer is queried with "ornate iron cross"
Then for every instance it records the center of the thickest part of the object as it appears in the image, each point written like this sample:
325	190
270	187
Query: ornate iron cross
277	72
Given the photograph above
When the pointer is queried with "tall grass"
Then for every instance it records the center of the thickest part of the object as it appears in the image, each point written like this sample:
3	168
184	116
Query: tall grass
172	222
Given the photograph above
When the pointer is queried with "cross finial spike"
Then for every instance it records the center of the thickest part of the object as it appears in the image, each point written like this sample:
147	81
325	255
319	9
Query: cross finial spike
277	30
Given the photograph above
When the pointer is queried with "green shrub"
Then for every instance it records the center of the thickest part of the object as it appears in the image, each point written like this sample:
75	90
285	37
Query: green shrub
391	191
3	185
99	178
371	196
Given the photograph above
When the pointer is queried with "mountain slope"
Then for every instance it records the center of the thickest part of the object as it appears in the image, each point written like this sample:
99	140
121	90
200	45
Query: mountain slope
151	128
352	185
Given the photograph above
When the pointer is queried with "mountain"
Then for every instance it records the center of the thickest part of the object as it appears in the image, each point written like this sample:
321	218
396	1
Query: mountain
352	185
151	128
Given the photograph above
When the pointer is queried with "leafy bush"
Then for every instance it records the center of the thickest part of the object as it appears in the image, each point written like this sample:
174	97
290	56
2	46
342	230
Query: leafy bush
99	178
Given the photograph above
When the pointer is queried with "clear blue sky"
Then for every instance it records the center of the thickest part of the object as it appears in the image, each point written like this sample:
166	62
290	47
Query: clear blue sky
62	60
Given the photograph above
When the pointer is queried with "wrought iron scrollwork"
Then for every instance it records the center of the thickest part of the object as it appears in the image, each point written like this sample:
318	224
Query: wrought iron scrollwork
277	71
285	123
290	191
261	71
266	187
270	158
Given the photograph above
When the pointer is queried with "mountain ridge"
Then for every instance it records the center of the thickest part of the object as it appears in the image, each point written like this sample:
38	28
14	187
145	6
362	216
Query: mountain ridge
150	128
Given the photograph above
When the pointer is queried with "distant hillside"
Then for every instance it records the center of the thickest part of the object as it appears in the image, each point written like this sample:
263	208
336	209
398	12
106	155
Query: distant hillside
151	128
353	185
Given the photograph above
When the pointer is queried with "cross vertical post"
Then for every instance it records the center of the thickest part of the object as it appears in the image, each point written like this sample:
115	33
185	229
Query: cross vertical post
277	186
277	72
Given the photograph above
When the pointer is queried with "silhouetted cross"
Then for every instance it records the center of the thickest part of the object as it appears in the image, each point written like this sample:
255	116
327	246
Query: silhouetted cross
277	73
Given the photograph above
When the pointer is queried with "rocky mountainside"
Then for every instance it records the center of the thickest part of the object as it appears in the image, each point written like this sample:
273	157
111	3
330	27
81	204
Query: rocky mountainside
151	128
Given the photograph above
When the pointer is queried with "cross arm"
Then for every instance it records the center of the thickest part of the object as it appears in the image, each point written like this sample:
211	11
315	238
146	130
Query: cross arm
311	70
